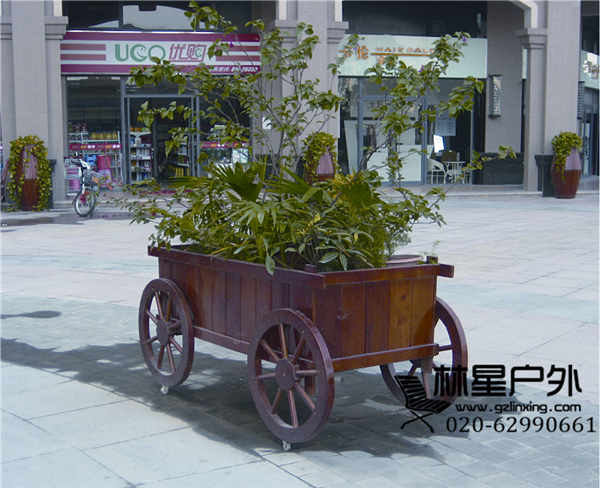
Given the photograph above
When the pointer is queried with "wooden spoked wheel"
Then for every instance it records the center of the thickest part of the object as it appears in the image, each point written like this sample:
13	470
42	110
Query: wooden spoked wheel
166	334
290	374
449	334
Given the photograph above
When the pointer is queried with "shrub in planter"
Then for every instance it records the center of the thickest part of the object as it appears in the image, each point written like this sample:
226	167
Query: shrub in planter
30	173
566	165
237	211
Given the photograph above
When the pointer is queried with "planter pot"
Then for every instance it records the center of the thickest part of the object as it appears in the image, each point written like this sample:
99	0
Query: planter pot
566	183
28	166
498	171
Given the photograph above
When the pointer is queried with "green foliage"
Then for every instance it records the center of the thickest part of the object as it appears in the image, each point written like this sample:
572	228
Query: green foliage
237	213
20	149
315	145
562	145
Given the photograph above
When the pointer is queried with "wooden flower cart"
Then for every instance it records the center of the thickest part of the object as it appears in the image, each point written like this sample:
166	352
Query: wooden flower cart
297	328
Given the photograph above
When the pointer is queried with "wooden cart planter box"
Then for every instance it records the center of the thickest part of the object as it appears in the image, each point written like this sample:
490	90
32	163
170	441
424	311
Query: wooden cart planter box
296	327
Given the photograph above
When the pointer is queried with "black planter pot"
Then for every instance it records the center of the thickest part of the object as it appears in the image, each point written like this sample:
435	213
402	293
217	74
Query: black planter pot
544	164
498	171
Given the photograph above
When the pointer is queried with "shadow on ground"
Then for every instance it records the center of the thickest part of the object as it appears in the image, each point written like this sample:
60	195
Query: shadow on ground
216	401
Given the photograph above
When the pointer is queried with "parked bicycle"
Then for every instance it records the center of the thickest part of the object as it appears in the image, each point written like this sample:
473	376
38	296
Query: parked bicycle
86	199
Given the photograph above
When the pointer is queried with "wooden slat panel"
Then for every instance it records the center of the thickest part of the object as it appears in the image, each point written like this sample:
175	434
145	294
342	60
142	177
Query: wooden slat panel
325	306
205	284
280	295
350	337
400	332
423	300
263	303
384	357
248	302
301	299
219	303
234	305
377	316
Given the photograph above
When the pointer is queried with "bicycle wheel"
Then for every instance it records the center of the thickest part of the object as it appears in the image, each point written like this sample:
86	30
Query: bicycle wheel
85	202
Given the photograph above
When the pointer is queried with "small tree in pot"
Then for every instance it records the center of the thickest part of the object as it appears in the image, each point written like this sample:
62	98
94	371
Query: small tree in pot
566	166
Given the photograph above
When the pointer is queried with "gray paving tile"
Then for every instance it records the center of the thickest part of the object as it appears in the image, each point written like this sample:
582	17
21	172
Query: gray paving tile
253	475
57	398
67	468
108	424
169	455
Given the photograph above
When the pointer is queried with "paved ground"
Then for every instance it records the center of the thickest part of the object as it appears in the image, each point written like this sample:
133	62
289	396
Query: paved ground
79	409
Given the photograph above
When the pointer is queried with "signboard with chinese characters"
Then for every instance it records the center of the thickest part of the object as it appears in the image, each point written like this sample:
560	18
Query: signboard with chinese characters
116	52
589	70
414	51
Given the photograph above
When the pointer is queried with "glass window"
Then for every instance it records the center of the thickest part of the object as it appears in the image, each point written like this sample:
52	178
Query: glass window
153	16
94	122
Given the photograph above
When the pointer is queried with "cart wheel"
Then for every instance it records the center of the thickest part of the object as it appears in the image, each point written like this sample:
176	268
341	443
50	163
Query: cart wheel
166	334
287	354
453	353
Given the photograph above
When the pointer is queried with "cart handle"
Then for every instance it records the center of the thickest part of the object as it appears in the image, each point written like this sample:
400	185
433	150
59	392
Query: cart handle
446	270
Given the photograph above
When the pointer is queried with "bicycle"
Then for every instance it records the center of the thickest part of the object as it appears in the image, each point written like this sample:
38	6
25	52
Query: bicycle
86	199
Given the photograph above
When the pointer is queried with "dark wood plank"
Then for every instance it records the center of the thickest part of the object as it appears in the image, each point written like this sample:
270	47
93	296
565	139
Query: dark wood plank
326	305
280	295
384	357
301	299
350	339
377	296
422	310
221	340
263	304
400	331
248	306
234	305
205	284
219	303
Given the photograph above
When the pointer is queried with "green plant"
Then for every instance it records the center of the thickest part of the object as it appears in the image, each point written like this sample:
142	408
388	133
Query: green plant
20	149
315	145
562	145
236	212
282	220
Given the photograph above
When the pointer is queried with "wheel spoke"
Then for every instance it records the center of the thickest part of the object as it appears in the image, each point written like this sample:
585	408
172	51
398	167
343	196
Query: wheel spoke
307	372
152	317
412	370
265	376
171	360
276	400
175	345
283	342
158	305
159	360
267	348
169	306
298	350
305	397
151	340
293	412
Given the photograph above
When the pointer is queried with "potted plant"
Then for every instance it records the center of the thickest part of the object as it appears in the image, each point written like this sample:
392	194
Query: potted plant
566	165
30	174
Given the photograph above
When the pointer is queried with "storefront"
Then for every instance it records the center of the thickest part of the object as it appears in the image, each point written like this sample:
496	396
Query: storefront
588	111
102	106
452	139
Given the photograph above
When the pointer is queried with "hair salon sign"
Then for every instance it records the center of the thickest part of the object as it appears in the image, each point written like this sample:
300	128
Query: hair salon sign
116	52
414	51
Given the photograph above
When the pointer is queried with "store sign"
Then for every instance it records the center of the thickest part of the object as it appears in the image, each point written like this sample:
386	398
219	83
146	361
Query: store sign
414	51
116	52
589	70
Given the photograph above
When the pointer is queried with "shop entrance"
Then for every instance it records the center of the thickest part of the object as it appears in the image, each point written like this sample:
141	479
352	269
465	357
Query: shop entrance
145	151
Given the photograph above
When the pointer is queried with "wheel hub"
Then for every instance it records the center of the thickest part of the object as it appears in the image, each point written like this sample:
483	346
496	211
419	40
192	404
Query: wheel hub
285	374
162	331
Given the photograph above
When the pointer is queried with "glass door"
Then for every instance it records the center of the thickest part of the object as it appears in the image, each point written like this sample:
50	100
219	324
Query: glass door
146	149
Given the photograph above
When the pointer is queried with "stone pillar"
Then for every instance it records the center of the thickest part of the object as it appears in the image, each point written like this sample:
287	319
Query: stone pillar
55	31
534	40
31	85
